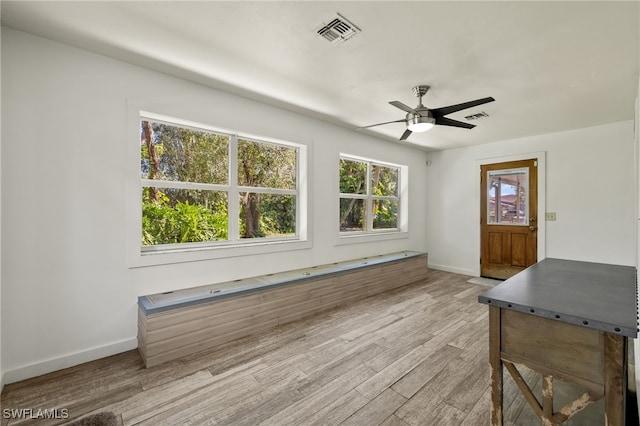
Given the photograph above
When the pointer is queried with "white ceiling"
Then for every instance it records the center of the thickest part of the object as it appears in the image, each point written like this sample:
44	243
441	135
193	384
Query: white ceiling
551	66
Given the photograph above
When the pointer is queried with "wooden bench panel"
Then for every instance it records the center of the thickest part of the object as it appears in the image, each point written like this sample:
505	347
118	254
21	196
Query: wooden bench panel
181	329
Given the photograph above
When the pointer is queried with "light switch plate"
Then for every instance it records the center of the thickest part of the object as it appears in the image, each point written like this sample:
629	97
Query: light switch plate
550	216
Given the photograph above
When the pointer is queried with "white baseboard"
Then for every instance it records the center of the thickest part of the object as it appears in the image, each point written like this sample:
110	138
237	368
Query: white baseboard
66	361
453	269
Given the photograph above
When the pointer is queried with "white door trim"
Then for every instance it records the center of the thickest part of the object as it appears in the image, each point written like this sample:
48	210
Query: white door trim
540	157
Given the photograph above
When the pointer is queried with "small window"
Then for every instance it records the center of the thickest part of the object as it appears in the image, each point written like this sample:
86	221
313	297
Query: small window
369	196
508	197
201	187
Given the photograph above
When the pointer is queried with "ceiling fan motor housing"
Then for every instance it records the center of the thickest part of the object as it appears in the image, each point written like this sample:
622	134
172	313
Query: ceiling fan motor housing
420	121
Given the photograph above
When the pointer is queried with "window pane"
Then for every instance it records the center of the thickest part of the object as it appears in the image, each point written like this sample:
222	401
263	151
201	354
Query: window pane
264	165
267	215
353	177
173	216
384	181
385	214
508	196
352	214
169	152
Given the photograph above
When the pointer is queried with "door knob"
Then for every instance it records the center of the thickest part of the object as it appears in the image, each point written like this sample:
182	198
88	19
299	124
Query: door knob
533	219
532	228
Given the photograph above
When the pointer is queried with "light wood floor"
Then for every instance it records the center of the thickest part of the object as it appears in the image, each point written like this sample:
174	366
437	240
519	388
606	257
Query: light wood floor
411	356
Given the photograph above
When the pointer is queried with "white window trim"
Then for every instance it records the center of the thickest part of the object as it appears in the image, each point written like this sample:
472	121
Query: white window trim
401	232
136	257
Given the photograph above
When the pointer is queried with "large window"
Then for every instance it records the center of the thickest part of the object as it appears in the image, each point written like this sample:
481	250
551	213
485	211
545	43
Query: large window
369	196
202	187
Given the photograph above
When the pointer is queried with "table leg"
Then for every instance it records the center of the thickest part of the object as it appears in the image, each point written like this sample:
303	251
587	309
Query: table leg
547	398
615	378
496	366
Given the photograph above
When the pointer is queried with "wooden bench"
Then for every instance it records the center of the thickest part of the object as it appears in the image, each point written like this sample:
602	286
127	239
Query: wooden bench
179	323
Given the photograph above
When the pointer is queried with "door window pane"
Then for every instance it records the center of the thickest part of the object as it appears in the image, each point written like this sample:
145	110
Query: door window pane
508	197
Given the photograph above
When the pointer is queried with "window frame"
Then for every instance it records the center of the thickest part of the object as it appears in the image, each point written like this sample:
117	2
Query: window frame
140	255
369	233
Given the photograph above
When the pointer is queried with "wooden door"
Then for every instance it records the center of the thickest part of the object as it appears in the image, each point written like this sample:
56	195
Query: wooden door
508	218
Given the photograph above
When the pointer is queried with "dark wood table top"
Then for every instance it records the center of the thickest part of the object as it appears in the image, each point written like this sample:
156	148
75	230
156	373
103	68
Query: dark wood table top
594	295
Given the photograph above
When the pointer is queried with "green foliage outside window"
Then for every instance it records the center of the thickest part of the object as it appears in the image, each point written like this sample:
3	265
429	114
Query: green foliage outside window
164	222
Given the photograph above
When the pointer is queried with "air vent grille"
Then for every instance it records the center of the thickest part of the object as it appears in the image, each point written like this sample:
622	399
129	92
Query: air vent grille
476	116
338	30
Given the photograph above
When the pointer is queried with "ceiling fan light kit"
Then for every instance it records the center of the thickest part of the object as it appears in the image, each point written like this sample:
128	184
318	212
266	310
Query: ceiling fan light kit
417	123
421	118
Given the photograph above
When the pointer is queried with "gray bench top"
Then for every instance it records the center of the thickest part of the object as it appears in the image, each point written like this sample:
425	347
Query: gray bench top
160	302
594	295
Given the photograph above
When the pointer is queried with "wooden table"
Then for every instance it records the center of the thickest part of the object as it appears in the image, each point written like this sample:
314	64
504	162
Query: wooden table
569	320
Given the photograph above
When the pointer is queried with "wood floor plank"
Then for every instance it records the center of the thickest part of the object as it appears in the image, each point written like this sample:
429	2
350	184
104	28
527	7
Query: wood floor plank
336	412
465	395
391	334
148	403
404	345
309	405
70	384
414	380
393	420
422	407
388	376
218	395
337	367
371	327
378	410
445	415
250	410
480	413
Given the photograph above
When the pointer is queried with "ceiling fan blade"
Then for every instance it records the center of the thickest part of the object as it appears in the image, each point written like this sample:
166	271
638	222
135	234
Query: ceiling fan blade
453	108
405	135
444	121
380	124
402	106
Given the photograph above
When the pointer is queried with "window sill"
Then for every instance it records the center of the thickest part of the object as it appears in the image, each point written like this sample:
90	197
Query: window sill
171	256
367	238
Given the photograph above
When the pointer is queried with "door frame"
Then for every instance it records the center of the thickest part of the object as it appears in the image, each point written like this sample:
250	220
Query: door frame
540	157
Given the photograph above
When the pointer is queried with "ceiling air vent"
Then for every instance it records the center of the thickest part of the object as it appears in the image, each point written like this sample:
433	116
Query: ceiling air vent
337	30
476	116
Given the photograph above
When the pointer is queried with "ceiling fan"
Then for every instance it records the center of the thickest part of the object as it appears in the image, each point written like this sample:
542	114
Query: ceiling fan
421	118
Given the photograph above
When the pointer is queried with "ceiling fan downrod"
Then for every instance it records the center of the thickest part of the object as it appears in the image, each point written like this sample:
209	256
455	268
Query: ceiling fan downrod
420	91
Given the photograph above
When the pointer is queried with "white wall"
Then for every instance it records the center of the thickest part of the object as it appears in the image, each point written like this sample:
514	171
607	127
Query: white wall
589	184
67	293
